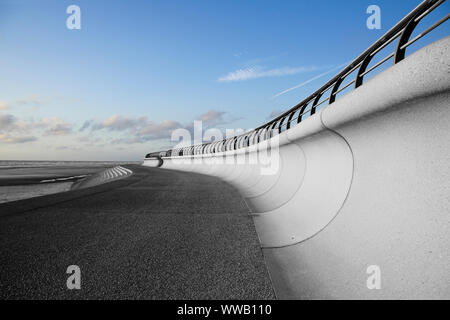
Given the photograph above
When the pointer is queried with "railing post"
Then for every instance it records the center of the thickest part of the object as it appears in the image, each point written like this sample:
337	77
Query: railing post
404	38
291	115
362	68
334	90
300	113
316	101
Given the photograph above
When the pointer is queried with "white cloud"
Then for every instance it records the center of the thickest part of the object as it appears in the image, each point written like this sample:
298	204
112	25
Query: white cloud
212	116
258	72
55	126
159	129
140	126
13	130
141	129
134	129
138	129
10	123
119	123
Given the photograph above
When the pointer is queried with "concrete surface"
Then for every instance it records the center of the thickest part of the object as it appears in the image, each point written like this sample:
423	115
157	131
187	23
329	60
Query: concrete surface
153	235
107	175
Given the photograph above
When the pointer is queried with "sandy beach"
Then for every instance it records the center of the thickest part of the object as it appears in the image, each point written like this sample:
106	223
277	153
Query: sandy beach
13	193
27	179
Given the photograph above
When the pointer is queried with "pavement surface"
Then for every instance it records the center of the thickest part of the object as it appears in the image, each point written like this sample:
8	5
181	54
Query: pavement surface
157	234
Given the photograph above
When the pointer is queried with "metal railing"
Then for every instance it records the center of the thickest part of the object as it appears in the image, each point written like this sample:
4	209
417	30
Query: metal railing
401	32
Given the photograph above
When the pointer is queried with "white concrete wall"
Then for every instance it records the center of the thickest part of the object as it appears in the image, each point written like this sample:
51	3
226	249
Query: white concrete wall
152	162
363	182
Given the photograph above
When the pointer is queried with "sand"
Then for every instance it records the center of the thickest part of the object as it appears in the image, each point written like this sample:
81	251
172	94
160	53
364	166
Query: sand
13	193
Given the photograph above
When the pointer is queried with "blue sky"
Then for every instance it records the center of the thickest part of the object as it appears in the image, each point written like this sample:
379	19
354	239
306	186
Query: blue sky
115	89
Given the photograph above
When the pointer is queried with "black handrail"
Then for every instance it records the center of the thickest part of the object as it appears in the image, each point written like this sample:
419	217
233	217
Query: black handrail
402	30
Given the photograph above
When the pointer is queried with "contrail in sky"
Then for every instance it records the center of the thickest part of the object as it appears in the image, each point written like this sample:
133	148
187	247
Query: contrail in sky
307	81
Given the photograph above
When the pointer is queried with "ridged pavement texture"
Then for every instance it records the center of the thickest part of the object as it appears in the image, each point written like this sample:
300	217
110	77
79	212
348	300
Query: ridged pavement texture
104	176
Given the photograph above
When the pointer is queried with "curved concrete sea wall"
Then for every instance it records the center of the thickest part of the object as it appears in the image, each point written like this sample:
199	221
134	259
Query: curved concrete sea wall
362	184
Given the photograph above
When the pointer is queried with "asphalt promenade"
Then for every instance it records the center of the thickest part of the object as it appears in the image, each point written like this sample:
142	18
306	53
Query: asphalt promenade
157	234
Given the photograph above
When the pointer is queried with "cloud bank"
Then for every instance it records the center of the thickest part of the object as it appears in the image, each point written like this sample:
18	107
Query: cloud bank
259	72
13	130
141	129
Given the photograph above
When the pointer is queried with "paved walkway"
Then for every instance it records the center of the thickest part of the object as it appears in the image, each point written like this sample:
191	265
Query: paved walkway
156	235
